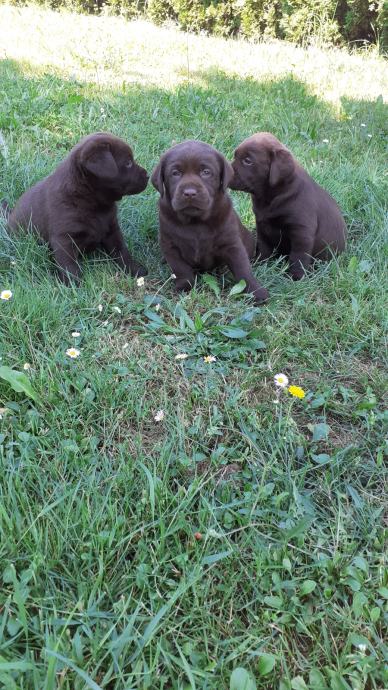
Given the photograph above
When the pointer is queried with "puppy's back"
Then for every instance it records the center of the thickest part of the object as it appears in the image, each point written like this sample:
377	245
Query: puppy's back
35	205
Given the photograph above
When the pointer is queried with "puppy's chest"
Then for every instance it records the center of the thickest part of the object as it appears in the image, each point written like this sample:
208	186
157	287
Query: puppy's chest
198	247
261	211
91	232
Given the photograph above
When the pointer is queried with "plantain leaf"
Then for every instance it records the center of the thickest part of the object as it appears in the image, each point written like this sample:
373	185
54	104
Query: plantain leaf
238	288
266	664
211	281
241	679
18	381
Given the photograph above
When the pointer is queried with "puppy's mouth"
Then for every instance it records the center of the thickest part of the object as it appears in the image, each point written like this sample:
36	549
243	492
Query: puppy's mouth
137	188
193	209
237	183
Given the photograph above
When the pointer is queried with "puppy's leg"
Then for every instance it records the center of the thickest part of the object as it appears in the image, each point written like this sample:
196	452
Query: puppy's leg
264	250
184	274
115	246
237	260
66	255
302	244
266	243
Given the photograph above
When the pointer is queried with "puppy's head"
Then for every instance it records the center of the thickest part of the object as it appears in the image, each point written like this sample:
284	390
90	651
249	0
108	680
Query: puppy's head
261	161
109	166
192	176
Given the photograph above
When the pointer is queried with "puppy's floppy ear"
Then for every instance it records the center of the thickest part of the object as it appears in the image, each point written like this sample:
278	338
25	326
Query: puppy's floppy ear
227	172
157	177
98	160
282	166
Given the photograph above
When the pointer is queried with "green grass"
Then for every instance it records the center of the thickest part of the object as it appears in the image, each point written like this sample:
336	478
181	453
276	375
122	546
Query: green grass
102	581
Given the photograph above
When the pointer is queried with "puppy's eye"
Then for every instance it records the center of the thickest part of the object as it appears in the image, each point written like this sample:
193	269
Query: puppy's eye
247	161
205	172
176	173
129	164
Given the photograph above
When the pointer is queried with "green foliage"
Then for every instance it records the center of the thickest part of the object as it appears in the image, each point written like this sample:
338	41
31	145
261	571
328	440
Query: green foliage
161	10
261	18
328	22
302	21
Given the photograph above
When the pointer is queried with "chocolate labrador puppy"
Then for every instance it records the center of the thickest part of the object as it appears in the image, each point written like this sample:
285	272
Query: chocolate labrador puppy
74	209
295	217
199	229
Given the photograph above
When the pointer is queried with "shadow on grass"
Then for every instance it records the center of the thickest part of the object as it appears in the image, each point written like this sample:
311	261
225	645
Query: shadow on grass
43	116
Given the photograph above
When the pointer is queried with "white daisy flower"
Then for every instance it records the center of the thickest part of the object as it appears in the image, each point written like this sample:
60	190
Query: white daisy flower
75	334
281	380
159	416
100	307
6	295
209	359
140	282
73	352
117	309
157	307
26	366
173	276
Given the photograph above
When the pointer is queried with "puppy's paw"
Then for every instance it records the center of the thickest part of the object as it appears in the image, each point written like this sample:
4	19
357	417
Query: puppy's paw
68	279
137	270
183	284
260	295
296	274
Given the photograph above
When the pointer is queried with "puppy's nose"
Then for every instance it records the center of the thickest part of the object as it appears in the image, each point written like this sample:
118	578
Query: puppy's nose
190	192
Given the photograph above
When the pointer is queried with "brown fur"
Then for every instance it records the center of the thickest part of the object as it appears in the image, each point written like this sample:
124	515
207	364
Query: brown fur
295	217
199	229
74	209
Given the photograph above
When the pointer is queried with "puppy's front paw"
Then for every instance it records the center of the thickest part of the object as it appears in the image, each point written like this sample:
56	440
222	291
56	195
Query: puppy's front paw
296	273
68	279
260	295
137	270
183	284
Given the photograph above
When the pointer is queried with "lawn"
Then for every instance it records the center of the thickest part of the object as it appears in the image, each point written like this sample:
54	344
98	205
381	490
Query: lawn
246	529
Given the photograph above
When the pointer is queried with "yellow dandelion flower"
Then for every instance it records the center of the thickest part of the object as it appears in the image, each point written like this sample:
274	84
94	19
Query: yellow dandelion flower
73	353
296	391
6	295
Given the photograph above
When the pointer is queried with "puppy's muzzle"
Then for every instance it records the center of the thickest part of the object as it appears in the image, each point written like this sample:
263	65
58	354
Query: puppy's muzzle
189	193
236	181
192	198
